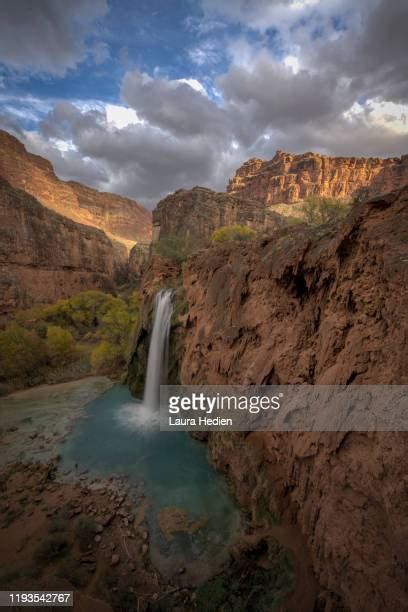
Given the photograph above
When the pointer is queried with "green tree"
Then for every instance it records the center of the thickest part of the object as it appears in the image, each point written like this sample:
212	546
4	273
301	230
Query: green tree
107	357
321	211
233	232
60	345
81	313
22	353
178	248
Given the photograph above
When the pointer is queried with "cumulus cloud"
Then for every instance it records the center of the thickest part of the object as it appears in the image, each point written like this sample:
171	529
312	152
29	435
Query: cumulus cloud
48	35
263	14
341	94
140	160
277	96
173	105
372	55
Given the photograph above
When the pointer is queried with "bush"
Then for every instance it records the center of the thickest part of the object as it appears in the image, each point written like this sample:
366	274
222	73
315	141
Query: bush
60	345
81	313
117	324
89	324
320	211
107	357
176	248
22	353
233	232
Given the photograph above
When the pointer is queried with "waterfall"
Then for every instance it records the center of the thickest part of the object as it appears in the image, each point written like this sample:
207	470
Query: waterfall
145	415
157	363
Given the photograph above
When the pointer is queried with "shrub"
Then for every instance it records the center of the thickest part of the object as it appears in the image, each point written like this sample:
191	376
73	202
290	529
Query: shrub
41	330
176	248
233	232
320	210
22	353
60	345
81	312
67	331
117	324
107	357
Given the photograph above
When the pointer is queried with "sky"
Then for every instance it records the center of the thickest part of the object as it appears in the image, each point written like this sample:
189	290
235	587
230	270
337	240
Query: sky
145	97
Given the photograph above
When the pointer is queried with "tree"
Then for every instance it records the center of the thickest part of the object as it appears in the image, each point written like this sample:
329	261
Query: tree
107	357
321	211
233	232
60	345
22	353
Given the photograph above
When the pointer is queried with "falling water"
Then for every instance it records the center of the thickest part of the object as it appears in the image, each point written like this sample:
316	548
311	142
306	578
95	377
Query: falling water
157	362
145	415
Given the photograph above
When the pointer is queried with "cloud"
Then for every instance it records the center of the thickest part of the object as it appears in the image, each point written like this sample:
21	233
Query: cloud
48	35
260	14
341	93
373	54
206	53
137	159
173	105
274	95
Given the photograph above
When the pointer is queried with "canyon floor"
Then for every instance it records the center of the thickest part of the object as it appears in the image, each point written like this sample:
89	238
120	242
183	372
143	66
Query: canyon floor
66	529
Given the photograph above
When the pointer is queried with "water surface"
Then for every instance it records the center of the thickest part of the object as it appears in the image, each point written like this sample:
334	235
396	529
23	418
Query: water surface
174	471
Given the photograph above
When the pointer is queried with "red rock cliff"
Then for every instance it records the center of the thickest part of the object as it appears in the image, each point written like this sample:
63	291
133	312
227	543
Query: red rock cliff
122	219
299	308
197	212
291	178
44	256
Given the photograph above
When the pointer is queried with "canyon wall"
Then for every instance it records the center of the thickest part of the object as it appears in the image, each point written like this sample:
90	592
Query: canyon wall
138	258
326	307
44	256
196	213
291	178
122	219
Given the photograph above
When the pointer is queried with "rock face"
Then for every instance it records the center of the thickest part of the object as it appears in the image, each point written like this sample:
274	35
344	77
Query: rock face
138	258
123	220
44	256
328	309
291	178
196	213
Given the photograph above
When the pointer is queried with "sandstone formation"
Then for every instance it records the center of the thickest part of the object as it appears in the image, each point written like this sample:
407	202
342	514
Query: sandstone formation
123	220
138	258
44	256
196	213
307	308
291	178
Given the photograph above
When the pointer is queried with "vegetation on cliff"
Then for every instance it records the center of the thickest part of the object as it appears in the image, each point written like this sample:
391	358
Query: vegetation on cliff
322	210
80	335
178	247
233	232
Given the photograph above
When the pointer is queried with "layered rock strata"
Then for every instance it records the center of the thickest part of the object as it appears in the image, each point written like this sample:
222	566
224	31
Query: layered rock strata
321	308
289	178
122	219
44	256
196	213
